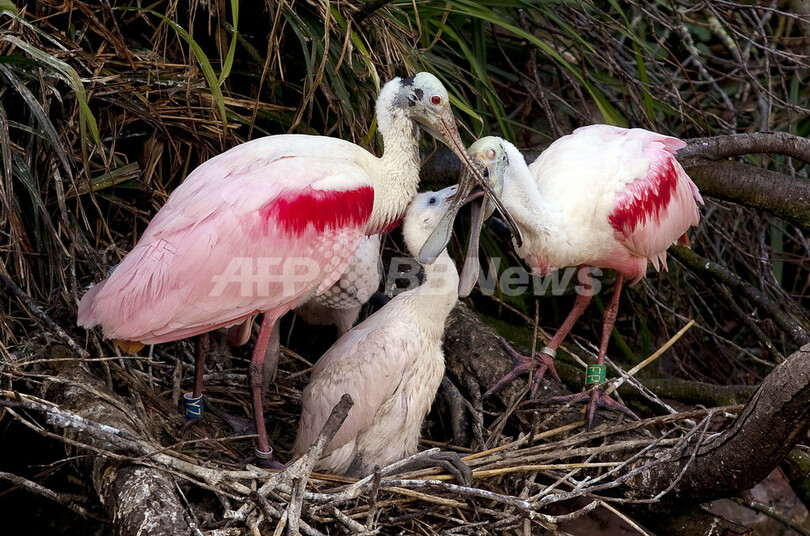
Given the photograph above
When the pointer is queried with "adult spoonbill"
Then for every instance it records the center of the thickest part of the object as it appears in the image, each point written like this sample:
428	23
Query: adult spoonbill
602	196
391	364
338	306
266	224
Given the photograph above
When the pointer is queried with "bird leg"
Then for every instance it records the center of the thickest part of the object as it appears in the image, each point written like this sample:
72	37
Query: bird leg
203	346
193	405
524	364
271	357
263	451
595	396
237	336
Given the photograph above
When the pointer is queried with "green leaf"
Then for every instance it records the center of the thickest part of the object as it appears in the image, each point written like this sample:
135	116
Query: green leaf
71	78
49	131
8	5
226	67
473	9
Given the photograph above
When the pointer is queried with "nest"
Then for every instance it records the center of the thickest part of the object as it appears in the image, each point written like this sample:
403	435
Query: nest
547	476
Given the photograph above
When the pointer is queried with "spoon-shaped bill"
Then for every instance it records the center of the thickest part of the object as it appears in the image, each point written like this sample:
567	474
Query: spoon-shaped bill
440	236
445	130
469	274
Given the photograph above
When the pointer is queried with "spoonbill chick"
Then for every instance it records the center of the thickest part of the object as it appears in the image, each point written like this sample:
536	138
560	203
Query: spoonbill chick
391	364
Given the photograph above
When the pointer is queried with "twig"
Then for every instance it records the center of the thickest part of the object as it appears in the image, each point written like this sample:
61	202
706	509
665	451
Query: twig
541	467
299	471
49	494
375	488
624	518
350	523
772	513
701	265
37	311
652	358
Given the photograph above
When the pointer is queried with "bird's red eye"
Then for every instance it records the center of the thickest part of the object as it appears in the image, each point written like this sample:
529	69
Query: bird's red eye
435	100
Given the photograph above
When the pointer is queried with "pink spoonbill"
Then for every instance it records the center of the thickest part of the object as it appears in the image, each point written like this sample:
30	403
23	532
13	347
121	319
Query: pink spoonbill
602	196
338	306
267	224
391	364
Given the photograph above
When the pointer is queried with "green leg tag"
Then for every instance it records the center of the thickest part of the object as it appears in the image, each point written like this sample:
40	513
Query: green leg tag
595	375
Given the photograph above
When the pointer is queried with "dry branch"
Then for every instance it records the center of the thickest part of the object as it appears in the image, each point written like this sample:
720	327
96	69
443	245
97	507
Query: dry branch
139	498
721	147
744	454
703	266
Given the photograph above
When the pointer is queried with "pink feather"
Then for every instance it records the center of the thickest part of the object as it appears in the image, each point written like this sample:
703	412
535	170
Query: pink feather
225	245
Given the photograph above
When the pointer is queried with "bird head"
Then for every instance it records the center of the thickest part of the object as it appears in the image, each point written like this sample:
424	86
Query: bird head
425	100
488	157
424	213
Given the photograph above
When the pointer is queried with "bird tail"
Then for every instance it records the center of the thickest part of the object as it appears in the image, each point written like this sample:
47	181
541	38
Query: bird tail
130	347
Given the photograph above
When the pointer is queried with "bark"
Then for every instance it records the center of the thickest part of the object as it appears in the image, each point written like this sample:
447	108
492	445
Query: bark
776	193
720	147
474	355
140	500
695	393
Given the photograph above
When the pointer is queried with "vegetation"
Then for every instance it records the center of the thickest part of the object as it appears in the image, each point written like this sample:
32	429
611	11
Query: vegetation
105	108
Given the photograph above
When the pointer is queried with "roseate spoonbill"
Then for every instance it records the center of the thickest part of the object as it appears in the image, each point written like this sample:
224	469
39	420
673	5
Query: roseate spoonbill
266	224
339	305
391	364
603	196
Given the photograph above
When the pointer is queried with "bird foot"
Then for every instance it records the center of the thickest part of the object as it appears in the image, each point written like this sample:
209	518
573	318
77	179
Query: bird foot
449	461
594	399
239	425
541	363
264	460
188	425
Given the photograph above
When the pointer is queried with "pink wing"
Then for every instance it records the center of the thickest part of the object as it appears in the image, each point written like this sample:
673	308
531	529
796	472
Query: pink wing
254	229
655	209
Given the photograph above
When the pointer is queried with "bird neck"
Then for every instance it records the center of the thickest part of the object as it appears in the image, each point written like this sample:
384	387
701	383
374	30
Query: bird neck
532	213
398	176
436	296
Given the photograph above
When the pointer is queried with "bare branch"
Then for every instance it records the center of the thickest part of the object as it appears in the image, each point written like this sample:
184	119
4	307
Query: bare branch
704	266
720	147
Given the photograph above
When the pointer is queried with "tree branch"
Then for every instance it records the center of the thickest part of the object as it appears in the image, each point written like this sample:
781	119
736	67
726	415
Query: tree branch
704	266
783	196
721	147
743	455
